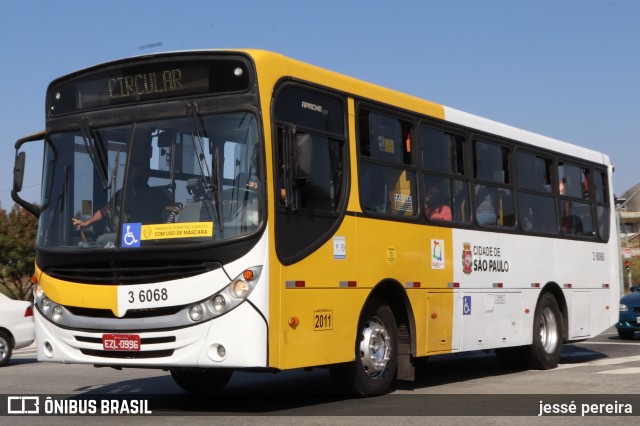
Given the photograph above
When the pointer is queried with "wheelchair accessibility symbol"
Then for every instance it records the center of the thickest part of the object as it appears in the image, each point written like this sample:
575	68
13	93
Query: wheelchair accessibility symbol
131	235
466	305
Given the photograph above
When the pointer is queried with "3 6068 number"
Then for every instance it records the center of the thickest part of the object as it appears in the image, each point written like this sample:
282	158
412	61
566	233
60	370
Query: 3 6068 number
149	295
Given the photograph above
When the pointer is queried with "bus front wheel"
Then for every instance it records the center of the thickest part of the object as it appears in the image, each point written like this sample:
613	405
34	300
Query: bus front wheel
376	353
544	353
200	380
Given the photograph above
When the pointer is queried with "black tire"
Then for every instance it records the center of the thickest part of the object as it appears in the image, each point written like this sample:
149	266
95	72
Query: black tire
376	353
201	380
6	348
625	334
544	353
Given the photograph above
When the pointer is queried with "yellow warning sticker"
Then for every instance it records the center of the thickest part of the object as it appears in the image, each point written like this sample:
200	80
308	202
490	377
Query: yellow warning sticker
177	230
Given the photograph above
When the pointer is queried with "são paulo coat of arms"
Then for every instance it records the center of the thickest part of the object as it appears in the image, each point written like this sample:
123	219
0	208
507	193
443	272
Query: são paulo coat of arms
467	259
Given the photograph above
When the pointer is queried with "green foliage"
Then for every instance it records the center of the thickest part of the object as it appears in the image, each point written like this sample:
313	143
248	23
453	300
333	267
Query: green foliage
17	251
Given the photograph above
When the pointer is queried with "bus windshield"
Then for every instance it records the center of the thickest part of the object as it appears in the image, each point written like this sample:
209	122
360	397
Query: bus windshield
187	180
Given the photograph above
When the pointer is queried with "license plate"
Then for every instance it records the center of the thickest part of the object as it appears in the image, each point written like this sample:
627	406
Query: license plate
638	320
121	342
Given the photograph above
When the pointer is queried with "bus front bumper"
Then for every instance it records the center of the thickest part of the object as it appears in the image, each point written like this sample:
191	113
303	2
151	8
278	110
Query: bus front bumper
237	339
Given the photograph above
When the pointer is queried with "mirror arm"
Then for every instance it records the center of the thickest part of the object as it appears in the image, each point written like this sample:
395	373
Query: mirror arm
18	173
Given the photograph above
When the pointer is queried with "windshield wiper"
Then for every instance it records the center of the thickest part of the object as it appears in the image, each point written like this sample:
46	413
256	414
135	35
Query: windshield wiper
97	156
211	180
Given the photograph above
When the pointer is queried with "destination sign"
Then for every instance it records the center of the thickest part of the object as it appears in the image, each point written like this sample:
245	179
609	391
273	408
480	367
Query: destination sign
148	81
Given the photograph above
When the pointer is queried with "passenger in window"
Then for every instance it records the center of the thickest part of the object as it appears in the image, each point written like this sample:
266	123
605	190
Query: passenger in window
434	205
485	206
298	197
566	205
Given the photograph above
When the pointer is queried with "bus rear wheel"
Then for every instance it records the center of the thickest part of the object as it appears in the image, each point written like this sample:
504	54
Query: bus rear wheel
544	353
376	353
201	380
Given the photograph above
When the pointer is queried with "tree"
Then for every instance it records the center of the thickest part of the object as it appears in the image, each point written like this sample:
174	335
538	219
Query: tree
17	251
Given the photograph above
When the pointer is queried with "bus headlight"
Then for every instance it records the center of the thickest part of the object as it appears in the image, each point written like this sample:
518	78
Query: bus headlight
38	293
218	304
236	292
56	313
196	312
45	305
623	307
240	289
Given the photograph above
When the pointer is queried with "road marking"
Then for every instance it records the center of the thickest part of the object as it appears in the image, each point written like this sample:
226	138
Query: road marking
600	362
630	370
28	352
610	343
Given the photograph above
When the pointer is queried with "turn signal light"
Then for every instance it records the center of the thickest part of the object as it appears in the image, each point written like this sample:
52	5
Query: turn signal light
248	275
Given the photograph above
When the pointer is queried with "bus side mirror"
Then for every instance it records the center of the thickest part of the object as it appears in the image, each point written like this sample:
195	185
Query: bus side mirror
18	171
302	156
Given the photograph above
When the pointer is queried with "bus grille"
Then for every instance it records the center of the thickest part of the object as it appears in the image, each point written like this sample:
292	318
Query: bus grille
131	313
129	272
126	354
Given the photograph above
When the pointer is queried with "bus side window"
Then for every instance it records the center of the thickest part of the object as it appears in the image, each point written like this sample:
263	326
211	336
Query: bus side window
536	203
442	155
387	182
602	204
575	210
494	201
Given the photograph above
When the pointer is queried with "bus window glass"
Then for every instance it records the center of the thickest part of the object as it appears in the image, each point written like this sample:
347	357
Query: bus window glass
446	199
576	216
494	205
438	198
442	155
146	177
491	162
533	172
442	151
537	213
600	180
603	222
573	180
387	180
388	190
385	138
602	209
320	191
578	220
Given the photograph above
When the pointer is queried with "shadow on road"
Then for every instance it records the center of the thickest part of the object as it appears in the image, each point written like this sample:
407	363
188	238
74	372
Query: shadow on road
313	392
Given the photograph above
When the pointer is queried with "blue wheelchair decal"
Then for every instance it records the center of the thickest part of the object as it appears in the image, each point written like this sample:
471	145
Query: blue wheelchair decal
131	235
466	305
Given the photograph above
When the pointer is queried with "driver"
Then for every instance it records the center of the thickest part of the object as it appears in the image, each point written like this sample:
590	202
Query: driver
143	203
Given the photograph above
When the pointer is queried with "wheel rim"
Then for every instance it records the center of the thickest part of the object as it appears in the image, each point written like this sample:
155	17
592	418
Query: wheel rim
548	330
4	349
375	348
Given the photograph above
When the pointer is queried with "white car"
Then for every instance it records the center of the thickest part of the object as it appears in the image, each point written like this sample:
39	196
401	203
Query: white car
17	329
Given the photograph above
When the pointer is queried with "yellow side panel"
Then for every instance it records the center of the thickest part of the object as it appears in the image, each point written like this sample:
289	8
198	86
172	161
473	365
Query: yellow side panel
440	320
322	273
403	252
326	330
376	251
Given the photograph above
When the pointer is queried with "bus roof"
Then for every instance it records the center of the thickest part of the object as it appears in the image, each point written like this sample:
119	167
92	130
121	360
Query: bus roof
374	92
280	66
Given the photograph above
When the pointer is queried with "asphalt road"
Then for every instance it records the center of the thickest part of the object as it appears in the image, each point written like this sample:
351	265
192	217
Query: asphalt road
600	375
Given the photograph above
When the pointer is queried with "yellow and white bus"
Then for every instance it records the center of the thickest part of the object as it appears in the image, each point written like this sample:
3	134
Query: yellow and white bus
213	211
